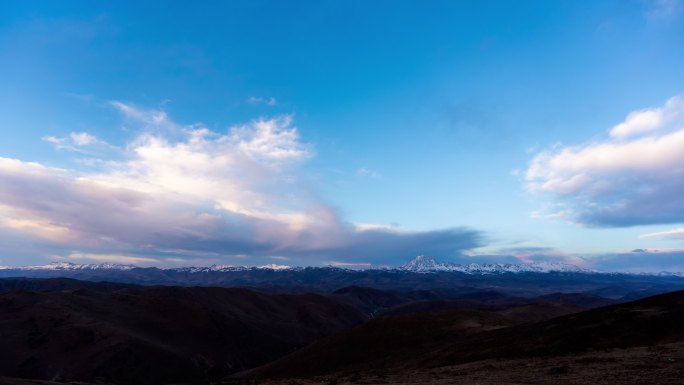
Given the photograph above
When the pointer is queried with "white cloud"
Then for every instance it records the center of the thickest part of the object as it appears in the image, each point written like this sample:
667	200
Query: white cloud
272	139
677	233
645	121
83	138
149	118
634	177
76	141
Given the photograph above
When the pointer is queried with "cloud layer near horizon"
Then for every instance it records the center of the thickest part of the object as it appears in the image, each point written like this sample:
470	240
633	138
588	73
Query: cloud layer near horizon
634	177
186	193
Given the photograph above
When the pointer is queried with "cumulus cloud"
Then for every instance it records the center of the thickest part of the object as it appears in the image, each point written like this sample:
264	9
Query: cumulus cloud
190	193
651	119
634	177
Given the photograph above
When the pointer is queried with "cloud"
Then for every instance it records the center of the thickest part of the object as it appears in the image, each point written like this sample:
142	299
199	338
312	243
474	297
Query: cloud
195	194
123	259
529	254
368	173
269	101
76	141
273	139
148	118
641	261
671	234
635	177
651	119
663	9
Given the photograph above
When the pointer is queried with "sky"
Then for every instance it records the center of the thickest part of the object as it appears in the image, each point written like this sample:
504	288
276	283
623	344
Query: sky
347	133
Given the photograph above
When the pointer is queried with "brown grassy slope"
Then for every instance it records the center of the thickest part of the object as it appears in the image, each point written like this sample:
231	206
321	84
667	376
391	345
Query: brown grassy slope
450	338
159	334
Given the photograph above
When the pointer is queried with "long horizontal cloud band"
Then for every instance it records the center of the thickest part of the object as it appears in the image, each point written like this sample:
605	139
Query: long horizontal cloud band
233	195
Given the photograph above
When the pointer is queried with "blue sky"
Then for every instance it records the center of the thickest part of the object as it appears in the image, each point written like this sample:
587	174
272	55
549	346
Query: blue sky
342	132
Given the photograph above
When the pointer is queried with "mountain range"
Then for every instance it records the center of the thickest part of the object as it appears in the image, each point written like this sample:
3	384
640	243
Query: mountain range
420	264
422	273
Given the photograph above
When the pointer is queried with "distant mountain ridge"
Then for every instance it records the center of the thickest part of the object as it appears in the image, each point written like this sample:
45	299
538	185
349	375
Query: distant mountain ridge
420	264
425	264
422	273
73	266
70	266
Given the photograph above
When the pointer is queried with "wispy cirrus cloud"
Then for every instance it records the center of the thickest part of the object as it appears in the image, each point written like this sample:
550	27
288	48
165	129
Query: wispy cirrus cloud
184	192
82	142
659	10
268	101
634	177
148	118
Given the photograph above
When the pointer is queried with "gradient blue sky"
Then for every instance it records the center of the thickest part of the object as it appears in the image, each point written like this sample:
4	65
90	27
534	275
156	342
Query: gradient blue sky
344	132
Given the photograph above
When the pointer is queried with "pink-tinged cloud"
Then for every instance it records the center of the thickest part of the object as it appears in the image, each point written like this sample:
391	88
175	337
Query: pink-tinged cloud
190	192
634	177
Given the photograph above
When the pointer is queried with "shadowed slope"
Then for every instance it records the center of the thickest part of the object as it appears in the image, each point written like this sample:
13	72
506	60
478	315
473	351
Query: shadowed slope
449	338
159	334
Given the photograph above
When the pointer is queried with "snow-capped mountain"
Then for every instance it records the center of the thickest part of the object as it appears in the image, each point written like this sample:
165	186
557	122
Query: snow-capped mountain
207	269
227	268
273	266
425	264
68	266
420	264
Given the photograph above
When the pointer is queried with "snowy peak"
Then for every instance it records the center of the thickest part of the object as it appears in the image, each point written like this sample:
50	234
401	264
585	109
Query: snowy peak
207	269
73	266
273	266
425	264
227	268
